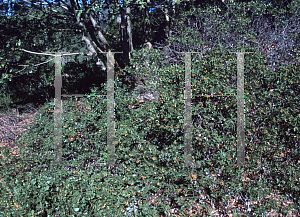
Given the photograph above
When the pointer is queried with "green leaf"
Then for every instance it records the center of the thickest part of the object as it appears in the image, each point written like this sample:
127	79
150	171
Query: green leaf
78	12
19	43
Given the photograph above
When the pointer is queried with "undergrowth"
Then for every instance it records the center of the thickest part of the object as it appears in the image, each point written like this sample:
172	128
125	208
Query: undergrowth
149	176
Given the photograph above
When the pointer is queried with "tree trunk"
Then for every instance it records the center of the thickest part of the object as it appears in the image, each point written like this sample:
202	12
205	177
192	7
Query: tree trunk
101	37
147	24
167	19
129	30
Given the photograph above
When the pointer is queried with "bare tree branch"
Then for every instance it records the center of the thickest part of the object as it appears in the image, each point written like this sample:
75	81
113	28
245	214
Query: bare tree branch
100	35
93	53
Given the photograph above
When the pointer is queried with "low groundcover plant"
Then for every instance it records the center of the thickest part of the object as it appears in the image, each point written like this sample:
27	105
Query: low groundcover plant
149	176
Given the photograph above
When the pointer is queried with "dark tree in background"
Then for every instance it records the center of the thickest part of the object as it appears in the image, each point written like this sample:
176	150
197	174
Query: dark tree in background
124	38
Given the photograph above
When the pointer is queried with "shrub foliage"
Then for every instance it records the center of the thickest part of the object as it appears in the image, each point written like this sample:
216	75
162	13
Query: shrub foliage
149	145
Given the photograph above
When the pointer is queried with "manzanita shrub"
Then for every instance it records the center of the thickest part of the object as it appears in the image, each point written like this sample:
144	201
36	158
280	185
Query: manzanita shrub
149	145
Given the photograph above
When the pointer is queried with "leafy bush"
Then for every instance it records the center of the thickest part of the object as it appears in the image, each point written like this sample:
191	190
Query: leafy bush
149	176
149	146
5	101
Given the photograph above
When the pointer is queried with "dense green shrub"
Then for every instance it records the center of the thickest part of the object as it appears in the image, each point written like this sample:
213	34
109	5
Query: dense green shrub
149	146
82	187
